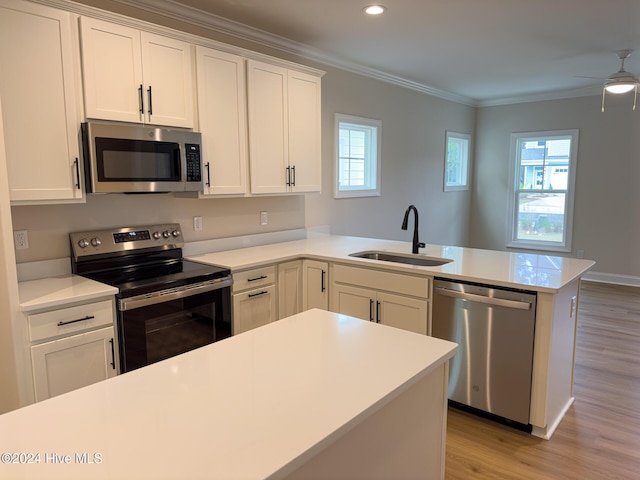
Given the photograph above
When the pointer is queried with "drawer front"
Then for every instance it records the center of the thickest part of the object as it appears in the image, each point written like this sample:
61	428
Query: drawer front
66	321
382	280
254	278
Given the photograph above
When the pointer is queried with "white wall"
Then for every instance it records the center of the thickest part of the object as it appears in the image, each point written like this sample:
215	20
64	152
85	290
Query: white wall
413	146
607	200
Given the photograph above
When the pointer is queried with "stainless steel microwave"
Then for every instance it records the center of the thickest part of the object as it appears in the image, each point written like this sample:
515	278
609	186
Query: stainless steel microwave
127	158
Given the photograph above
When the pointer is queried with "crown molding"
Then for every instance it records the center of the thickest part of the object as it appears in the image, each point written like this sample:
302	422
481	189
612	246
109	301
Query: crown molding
541	97
215	23
221	25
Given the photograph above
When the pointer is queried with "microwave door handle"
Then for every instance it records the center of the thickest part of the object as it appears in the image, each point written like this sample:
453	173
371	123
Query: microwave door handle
208	174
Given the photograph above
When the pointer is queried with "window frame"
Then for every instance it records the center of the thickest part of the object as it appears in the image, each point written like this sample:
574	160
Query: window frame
514	190
467	162
367	124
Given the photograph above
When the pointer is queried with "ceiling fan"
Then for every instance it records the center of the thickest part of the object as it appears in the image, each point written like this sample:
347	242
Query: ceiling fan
621	81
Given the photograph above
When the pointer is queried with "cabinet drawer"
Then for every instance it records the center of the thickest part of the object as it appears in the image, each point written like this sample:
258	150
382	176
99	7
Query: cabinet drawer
254	278
380	280
73	319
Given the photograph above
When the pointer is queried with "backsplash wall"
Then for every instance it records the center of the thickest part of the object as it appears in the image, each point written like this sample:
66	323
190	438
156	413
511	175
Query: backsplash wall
48	226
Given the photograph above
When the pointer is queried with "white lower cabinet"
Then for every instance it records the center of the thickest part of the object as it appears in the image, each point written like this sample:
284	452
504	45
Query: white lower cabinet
72	362
384	297
315	285
289	288
254	298
72	347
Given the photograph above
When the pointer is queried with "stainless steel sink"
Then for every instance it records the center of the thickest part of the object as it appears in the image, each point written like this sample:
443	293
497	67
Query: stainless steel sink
408	258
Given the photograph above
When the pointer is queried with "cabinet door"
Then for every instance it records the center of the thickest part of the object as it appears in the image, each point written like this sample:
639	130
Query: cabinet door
222	121
354	301
112	71
253	308
72	362
38	86
268	126
315	293
304	131
289	288
402	312
168	81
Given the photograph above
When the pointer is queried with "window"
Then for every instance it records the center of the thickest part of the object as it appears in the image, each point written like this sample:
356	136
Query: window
542	188
456	162
357	156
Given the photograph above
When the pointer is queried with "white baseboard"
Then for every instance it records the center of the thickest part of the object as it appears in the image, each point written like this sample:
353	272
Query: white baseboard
600	277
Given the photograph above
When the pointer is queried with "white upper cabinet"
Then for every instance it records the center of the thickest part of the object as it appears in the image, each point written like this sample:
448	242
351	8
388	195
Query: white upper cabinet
39	83
222	119
136	76
284	129
304	131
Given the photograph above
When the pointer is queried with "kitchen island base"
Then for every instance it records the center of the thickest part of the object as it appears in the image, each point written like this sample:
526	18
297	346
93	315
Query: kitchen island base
403	439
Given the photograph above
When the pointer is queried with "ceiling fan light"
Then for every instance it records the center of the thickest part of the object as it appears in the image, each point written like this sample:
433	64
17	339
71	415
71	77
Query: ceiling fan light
620	87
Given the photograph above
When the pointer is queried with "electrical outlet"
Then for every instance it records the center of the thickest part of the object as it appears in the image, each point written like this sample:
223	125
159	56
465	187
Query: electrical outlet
197	224
580	254
264	218
21	239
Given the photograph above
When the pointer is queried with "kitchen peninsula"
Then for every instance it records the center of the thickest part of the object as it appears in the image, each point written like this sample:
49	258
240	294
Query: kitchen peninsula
315	395
555	280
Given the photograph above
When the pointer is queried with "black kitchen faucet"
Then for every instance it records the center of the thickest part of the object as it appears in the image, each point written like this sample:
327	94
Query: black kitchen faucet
416	242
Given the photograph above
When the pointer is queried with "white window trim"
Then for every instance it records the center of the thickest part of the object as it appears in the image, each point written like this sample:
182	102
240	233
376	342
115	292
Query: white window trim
456	188
374	192
512	242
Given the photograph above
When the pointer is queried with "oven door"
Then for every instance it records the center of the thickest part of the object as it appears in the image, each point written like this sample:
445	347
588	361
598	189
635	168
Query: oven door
162	324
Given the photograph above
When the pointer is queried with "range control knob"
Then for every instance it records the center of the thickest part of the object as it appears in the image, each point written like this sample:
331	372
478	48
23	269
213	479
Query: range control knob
83	243
176	233
95	241
156	235
166	234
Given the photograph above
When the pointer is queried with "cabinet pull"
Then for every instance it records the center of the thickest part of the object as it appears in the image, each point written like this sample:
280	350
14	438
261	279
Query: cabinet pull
256	278
251	295
208	174
293	175
322	286
377	312
141	98
149	98
88	317
288	177
370	310
77	173
113	354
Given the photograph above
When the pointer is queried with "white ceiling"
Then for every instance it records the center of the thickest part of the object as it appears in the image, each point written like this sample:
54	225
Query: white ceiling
477	51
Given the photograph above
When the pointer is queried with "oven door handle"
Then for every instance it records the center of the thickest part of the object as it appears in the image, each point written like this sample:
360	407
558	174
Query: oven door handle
173	293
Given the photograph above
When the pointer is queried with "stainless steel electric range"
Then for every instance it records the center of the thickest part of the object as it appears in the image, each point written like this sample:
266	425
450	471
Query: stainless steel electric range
166	305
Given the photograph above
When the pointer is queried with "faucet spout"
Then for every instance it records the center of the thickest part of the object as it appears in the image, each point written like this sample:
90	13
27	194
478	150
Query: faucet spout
416	243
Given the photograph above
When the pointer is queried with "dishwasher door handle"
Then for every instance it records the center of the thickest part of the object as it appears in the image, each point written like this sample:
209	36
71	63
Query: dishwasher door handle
472	297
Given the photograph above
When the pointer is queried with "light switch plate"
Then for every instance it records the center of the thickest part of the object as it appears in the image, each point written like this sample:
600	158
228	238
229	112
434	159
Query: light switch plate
264	218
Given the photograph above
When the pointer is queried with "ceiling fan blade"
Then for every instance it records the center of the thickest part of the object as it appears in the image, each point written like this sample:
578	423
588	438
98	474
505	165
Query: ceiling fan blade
594	78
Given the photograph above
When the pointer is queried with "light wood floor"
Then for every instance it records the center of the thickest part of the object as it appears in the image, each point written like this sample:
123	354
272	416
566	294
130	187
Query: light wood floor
599	438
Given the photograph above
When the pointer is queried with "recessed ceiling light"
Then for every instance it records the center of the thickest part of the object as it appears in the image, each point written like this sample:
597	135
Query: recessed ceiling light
374	9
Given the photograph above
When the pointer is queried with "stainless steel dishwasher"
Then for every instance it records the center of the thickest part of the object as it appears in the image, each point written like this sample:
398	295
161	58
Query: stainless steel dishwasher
494	329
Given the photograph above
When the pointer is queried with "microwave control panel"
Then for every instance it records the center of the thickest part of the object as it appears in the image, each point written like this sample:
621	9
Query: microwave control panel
194	172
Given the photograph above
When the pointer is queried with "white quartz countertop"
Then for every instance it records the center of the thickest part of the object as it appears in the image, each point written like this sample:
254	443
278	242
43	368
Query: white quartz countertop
256	405
544	273
59	291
